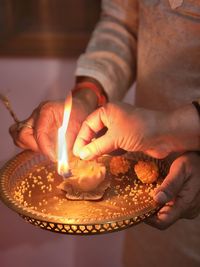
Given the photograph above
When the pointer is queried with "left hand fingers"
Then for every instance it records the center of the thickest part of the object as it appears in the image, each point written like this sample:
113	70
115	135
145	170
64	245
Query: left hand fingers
166	216
182	187
180	178
173	211
22	134
172	183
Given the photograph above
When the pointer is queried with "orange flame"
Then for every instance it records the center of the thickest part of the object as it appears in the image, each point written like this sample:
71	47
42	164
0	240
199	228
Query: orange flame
63	161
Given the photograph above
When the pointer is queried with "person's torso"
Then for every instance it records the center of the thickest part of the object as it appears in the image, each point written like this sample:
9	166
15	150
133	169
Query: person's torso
168	71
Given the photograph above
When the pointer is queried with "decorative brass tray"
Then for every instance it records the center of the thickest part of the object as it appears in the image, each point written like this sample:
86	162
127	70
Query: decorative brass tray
28	185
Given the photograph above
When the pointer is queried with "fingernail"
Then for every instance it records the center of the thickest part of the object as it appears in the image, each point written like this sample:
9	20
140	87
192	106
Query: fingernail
84	154
161	197
75	152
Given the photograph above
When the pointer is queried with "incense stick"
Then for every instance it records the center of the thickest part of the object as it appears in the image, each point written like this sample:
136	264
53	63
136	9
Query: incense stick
7	104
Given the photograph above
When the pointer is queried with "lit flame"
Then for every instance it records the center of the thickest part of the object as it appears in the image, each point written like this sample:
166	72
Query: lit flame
63	162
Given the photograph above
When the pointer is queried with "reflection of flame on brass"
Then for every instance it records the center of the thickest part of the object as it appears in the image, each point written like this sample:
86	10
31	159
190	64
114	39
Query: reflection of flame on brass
63	161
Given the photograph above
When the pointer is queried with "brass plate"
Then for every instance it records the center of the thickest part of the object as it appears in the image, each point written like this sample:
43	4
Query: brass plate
29	187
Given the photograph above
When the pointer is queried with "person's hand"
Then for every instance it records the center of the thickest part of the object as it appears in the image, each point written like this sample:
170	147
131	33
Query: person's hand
129	128
179	192
45	121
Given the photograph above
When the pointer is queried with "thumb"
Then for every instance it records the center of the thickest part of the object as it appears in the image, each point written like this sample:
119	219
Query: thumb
172	184
94	123
98	147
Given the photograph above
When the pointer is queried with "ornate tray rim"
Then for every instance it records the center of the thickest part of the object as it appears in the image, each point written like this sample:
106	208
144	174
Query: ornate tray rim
38	219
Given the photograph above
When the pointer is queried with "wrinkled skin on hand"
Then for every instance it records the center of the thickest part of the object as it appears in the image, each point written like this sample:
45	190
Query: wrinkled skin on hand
179	192
129	128
46	119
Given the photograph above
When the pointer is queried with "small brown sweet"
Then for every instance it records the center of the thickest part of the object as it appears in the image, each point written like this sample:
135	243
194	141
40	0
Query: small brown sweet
146	171
119	165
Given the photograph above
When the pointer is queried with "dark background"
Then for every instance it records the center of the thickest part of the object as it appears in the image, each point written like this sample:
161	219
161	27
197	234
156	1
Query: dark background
55	28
